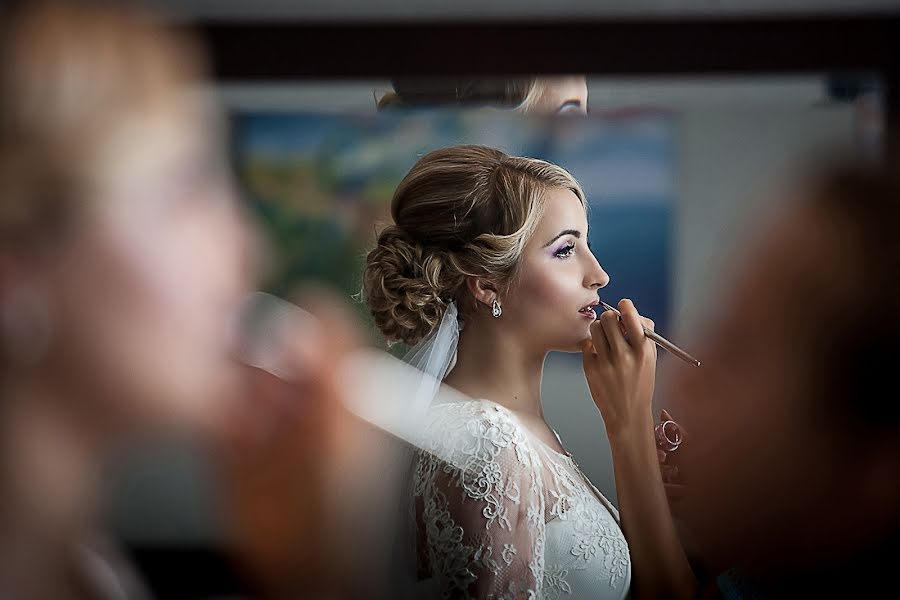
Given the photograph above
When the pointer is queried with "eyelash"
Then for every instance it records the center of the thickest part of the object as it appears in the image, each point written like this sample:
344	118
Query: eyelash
566	251
569	250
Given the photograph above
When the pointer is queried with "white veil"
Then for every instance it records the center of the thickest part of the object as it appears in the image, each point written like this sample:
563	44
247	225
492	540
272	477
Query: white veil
396	398
435	356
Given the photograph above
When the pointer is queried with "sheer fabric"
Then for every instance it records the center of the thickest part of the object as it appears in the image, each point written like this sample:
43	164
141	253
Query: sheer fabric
500	514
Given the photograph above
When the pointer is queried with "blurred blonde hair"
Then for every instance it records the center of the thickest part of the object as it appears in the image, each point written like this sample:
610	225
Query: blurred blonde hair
462	211
533	95
69	73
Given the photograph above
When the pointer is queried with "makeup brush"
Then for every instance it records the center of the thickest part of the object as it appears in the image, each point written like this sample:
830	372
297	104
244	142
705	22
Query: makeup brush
660	340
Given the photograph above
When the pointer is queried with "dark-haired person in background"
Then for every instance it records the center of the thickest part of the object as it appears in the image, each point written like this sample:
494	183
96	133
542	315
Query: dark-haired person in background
791	467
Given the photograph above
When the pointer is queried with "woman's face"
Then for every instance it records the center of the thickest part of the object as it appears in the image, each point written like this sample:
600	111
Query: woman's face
558	279
561	96
148	286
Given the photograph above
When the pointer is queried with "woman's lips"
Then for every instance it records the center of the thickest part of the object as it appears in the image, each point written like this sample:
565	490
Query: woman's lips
588	311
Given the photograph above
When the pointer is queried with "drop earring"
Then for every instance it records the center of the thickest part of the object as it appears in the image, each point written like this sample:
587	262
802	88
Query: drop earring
496	311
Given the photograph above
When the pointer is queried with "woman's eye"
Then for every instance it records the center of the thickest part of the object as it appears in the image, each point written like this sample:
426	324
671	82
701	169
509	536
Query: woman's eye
566	251
571	107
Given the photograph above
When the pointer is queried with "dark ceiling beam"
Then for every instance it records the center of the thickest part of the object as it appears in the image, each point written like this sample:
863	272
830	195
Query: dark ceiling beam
288	50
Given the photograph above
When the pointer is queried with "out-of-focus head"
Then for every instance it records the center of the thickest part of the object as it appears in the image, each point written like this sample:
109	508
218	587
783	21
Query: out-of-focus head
793	456
553	95
560	95
472	224
121	245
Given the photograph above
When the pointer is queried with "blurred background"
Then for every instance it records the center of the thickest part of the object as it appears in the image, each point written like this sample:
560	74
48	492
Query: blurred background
674	169
697	110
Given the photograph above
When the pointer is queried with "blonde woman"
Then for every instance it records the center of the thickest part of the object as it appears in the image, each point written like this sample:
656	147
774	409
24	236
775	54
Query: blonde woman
121	267
548	95
493	249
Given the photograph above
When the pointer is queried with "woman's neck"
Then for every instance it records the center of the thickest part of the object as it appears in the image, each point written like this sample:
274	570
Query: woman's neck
494	365
48	474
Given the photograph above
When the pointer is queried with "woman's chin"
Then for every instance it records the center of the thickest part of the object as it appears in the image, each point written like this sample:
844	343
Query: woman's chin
574	344
575	336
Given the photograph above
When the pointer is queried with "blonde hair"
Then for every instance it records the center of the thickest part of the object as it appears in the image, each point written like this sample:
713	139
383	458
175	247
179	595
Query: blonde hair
532	96
70	73
462	211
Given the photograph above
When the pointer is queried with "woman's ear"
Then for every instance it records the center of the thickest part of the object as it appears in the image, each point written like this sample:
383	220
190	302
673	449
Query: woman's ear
483	291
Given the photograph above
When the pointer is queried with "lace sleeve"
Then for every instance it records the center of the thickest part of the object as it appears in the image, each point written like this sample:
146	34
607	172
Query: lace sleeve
480	505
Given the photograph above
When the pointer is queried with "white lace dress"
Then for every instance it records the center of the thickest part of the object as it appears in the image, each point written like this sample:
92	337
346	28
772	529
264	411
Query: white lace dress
502	515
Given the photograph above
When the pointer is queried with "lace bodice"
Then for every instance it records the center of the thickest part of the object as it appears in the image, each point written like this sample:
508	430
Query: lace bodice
502	515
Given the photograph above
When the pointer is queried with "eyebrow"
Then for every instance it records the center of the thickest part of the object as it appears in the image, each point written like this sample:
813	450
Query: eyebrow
572	232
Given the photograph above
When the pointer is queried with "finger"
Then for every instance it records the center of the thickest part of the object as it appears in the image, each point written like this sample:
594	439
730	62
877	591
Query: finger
302	355
589	358
648	323
588	355
335	316
634	328
675	491
614	337
587	347
599	341
266	409
665	416
669	473
661	456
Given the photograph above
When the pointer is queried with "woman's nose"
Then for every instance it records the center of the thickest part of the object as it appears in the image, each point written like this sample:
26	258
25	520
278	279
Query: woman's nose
596	277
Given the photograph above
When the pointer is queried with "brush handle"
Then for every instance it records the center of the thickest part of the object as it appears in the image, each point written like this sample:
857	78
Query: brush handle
661	341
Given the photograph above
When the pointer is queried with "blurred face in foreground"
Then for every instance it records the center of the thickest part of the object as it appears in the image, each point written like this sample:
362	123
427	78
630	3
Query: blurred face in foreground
149	284
124	260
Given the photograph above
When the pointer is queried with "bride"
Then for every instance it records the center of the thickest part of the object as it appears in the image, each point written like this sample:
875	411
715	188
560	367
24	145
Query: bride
487	265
